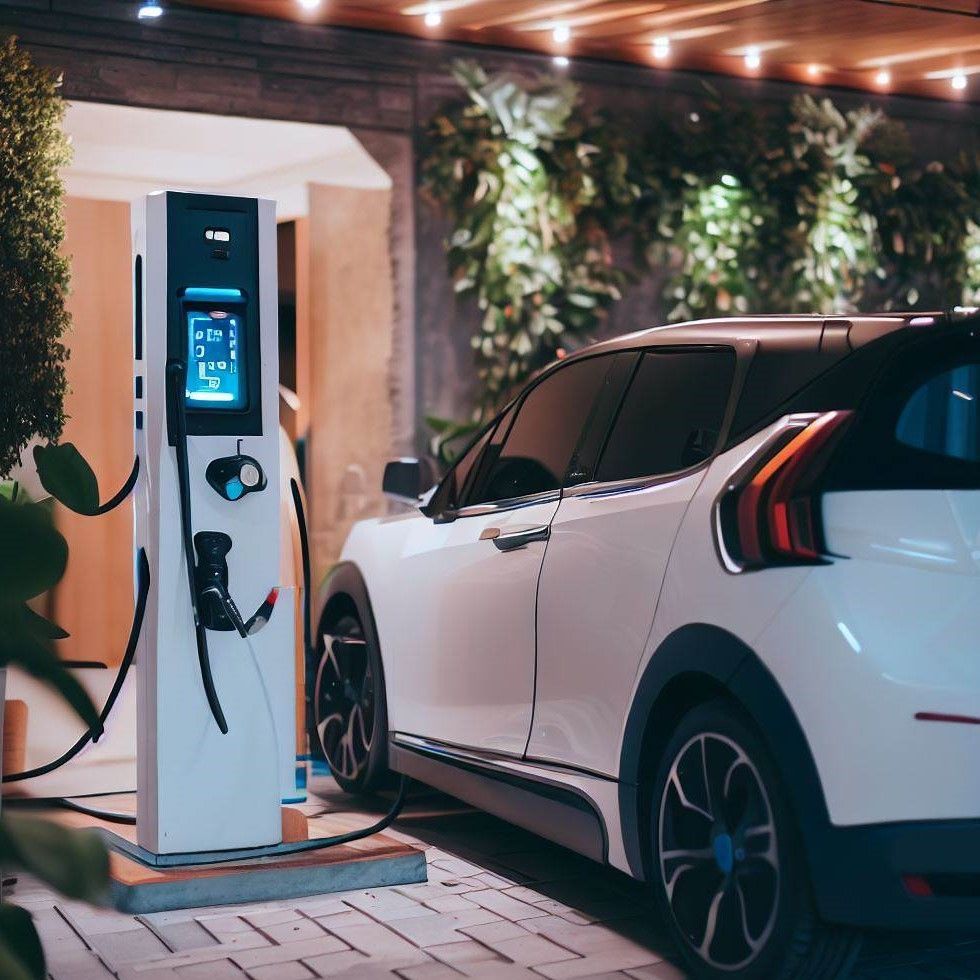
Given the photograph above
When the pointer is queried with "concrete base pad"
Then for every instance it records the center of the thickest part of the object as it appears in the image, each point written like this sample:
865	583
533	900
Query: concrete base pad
139	886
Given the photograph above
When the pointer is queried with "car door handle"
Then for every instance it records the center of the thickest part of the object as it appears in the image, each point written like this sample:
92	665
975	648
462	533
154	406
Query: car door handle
512	540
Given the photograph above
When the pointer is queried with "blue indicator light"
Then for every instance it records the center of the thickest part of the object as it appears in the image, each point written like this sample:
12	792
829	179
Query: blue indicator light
234	488
204	292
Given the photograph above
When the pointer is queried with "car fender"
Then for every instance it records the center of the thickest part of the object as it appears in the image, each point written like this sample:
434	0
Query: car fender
704	651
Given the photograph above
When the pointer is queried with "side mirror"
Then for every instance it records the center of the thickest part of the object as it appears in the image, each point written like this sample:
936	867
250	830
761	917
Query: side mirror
405	480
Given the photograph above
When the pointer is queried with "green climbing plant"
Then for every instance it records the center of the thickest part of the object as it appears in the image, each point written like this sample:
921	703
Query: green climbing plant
532	200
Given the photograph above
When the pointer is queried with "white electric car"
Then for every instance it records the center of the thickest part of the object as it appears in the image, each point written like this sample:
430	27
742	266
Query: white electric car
703	603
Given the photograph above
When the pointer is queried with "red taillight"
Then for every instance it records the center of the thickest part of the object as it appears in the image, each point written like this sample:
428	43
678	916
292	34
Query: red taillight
771	511
917	886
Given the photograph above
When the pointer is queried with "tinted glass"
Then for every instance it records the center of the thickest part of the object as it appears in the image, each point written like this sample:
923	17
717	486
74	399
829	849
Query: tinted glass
535	454
672	414
943	416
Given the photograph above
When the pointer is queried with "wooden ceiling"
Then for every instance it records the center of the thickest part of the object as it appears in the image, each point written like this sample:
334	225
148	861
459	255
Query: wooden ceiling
914	47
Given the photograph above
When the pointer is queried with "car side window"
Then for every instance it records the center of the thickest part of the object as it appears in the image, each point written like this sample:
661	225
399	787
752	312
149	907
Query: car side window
672	414
533	454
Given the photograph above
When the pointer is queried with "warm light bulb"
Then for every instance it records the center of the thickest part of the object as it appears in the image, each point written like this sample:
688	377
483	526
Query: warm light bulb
661	48
560	60
432	17
561	33
958	81
753	59
813	70
883	78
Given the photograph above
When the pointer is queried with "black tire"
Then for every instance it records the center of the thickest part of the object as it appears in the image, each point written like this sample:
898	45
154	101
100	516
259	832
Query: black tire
350	716
726	850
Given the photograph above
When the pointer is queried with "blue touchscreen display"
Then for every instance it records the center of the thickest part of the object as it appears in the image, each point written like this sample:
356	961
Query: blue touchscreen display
215	345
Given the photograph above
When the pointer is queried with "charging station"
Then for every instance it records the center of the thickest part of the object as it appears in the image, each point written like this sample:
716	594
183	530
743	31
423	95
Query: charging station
207	429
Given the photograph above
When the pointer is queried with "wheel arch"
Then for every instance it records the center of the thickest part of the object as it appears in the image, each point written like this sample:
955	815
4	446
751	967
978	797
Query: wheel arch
694	664
343	589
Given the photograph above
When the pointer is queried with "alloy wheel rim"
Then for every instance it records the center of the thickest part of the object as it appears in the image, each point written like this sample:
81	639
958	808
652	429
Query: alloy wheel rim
719	861
345	703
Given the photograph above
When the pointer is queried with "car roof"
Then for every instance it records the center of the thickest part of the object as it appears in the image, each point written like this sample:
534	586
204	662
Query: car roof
792	333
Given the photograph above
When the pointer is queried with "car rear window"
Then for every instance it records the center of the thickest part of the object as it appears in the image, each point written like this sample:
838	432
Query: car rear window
919	424
942	417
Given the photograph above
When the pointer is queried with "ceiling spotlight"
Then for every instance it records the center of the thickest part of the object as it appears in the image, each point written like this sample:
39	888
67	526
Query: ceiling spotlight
661	48
561	33
883	78
753	59
560	60
149	10
309	4
958	81
432	17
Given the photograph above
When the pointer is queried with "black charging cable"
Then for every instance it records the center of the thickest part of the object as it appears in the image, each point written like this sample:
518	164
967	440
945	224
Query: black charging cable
176	386
143	590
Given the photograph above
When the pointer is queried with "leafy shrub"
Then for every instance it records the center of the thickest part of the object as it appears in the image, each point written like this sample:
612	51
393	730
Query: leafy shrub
34	275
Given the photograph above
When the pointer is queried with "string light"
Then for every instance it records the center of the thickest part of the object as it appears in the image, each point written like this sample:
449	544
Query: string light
661	48
958	81
560	60
753	58
309	4
884	78
433	18
813	71
149	10
561	33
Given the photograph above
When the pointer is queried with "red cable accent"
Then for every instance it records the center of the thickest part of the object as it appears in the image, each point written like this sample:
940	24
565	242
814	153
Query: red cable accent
953	719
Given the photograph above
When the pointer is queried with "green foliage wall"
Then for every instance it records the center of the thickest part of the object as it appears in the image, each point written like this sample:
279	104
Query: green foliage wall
801	209
33	273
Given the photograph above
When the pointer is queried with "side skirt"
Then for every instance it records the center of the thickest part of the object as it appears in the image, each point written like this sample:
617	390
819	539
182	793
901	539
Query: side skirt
555	811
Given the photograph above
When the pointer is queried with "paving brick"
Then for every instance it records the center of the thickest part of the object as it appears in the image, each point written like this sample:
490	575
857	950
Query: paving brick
131	946
504	906
608	961
430	930
449	903
264	955
297	929
465	955
455	866
181	936
218	970
380	943
384	905
333	964
494	932
77	965
274	917
349	917
225	925
429	971
321	906
434	888
531	950
280	971
212	954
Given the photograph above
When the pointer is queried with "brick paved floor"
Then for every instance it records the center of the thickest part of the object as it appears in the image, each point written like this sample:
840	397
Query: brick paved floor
499	903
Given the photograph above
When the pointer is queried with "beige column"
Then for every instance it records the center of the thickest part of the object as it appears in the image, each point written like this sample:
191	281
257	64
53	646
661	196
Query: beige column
94	601
351	337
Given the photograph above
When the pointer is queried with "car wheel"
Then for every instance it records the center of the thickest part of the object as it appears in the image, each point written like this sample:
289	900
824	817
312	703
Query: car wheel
349	709
728	868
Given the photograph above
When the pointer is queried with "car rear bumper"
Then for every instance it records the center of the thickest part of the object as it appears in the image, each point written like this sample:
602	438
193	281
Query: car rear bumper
922	875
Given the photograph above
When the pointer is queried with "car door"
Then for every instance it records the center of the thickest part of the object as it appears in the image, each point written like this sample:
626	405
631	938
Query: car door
460	639
609	547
